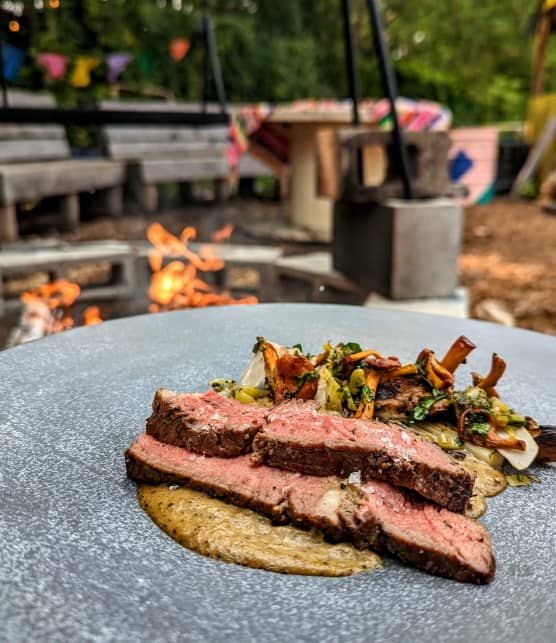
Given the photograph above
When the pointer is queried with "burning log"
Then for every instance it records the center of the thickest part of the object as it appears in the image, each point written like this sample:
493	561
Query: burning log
178	285
36	321
43	312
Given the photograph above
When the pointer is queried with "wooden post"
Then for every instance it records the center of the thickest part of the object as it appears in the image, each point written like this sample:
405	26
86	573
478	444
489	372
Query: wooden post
221	191
8	224
113	200
539	52
69	209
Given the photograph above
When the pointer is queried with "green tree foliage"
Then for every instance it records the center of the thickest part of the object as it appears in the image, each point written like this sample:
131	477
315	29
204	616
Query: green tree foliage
472	55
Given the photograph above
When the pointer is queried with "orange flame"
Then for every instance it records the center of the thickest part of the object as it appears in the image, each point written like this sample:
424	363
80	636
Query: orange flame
177	285
91	316
58	294
223	234
54	296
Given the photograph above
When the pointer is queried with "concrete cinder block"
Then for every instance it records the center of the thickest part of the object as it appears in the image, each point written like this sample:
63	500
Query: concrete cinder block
457	305
57	261
400	249
360	165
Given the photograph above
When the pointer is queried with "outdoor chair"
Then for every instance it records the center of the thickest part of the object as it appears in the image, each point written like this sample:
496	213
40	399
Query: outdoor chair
35	163
172	154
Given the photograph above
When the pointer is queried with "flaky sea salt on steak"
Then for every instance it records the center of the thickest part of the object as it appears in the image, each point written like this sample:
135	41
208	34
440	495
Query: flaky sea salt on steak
205	423
297	437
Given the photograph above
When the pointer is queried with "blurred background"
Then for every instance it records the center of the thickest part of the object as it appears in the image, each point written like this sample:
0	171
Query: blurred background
247	202
473	56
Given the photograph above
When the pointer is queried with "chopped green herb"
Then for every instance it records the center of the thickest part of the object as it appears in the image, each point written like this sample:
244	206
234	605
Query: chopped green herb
482	428
422	409
259	345
367	393
306	376
521	479
299	347
351	347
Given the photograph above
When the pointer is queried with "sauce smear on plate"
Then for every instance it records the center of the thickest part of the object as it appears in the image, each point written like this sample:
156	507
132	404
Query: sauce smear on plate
217	529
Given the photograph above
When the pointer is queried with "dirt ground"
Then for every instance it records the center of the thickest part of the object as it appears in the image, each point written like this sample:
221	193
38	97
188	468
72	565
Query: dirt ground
508	260
509	255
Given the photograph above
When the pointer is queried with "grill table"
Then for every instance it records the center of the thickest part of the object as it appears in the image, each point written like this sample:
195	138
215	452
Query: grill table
307	209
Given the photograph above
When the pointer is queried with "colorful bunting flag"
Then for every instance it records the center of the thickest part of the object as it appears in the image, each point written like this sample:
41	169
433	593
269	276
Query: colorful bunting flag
13	59
55	64
83	66
178	48
148	60
116	65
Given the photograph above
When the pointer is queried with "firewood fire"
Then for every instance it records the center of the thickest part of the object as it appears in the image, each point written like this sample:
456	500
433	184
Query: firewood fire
173	286
53	297
91	316
177	284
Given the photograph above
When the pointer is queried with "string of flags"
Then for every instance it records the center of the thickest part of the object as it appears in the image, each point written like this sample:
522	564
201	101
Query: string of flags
56	65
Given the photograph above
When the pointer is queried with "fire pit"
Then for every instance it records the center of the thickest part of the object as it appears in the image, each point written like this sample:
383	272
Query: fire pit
52	286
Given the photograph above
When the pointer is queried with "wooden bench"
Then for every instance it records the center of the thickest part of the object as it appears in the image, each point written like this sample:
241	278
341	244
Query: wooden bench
35	163
174	154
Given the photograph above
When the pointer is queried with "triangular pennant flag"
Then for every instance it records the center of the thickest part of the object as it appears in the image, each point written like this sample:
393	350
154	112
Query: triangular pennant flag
83	66
55	64
148	59
13	59
178	48
116	65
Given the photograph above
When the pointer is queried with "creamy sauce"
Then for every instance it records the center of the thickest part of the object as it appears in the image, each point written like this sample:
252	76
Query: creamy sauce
476	506
217	529
489	482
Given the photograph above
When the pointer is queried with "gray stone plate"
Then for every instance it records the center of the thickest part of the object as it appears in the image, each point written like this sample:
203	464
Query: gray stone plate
79	560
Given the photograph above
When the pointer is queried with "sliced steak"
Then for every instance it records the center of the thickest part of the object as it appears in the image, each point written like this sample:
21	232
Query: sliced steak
205	423
431	538
298	438
262	489
376	514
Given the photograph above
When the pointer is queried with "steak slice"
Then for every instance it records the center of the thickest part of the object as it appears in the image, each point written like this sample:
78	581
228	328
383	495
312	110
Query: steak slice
376	514
205	423
298	438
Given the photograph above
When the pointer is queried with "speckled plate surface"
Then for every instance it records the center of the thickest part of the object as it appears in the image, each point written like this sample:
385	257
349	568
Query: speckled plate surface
80	561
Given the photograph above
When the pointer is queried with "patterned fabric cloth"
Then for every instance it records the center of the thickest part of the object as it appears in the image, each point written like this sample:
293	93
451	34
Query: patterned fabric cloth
250	123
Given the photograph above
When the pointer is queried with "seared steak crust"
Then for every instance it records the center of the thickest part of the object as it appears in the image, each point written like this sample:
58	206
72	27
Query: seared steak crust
448	489
206	423
375	514
297	438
